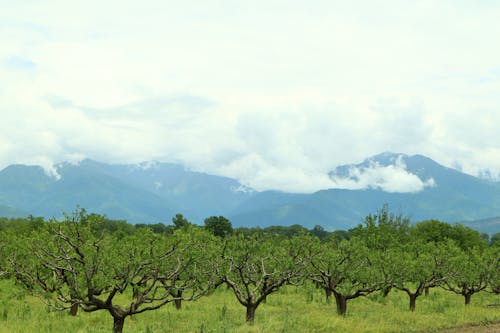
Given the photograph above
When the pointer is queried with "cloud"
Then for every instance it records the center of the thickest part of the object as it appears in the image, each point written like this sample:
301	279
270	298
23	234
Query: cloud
388	178
275	93
19	63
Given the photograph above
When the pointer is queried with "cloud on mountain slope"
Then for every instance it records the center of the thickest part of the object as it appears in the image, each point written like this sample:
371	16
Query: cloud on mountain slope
389	178
275	93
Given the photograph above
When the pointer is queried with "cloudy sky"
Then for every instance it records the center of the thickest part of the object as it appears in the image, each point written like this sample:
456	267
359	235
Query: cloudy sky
275	93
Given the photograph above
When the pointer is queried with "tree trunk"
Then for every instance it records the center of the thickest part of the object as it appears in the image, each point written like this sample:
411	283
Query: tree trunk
74	309
341	302
328	294
426	291
251	313
386	291
178	302
413	301
118	324
467	297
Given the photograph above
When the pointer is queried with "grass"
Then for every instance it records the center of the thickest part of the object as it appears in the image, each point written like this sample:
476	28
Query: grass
293	309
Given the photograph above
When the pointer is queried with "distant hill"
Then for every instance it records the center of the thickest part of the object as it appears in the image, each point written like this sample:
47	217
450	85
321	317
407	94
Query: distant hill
153	192
143	193
447	194
489	225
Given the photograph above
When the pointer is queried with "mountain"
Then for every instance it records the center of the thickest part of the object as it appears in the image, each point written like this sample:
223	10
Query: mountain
144	193
489	225
152	192
434	192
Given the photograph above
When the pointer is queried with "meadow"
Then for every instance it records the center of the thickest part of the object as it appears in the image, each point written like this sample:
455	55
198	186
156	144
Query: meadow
292	309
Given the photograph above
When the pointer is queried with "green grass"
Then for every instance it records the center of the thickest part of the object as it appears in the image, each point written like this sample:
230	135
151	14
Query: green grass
293	309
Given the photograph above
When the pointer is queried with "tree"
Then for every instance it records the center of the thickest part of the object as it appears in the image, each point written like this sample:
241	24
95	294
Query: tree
467	272
219	226
255	267
68	265
415	266
381	233
383	229
467	238
344	270
201	247
320	232
179	221
432	231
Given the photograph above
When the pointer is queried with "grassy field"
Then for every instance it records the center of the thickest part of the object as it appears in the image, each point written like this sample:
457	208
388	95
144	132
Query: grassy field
293	309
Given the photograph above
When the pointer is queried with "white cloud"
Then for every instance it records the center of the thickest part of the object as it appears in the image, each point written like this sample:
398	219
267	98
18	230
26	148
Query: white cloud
291	88
389	178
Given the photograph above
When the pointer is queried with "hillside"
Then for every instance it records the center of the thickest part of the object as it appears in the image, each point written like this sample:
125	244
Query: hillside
153	192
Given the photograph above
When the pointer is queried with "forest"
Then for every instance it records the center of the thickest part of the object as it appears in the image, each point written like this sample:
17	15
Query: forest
86	263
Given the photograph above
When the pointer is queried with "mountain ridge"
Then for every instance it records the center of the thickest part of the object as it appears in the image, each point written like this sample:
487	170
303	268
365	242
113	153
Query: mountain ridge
152	192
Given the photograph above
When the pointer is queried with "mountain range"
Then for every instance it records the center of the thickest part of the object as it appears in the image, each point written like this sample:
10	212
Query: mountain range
152	192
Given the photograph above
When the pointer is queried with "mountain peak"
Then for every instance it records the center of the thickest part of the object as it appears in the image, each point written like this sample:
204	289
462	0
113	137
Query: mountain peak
387	171
386	156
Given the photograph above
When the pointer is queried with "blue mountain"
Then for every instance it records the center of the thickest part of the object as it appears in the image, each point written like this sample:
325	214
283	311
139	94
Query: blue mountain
154	192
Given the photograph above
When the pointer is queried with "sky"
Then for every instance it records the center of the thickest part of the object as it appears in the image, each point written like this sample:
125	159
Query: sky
273	93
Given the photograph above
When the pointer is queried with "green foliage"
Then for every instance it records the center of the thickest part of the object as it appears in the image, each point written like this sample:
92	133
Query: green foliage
417	266
96	264
218	226
432	231
179	221
74	262
255	267
437	231
468	272
383	229
320	232
344	269
495	239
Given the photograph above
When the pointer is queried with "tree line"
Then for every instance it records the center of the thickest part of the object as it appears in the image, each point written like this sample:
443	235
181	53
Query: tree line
89	262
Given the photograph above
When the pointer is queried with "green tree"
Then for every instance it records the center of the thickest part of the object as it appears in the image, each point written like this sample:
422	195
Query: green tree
179	221
69	265
381	233
467	238
320	232
339	235
416	266
255	267
344	270
219	226
432	231
467	272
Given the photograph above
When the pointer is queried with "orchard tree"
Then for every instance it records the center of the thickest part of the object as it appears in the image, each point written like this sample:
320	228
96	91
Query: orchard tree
255	267
344	270
381	233
467	272
69	265
201	249
416	266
